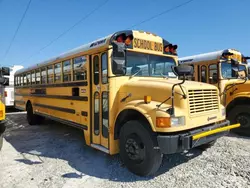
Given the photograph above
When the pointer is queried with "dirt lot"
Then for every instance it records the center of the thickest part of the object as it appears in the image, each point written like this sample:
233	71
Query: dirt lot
54	155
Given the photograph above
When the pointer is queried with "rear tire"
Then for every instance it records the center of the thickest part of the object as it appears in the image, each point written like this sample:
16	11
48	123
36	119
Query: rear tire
240	114
32	118
137	149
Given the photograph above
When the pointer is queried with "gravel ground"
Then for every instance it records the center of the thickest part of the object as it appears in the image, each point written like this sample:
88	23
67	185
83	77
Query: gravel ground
54	155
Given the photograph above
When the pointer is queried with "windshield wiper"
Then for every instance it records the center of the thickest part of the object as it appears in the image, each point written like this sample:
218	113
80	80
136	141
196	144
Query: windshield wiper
135	73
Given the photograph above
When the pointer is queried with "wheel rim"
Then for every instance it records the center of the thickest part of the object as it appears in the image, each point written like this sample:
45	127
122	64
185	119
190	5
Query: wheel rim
135	149
244	120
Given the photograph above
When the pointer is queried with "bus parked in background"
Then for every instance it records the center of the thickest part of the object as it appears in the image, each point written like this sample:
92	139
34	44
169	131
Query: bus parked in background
4	71
124	93
227	70
9	90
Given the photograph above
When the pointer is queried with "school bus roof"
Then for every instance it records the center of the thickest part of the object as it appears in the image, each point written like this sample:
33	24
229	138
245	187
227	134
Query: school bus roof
102	42
204	57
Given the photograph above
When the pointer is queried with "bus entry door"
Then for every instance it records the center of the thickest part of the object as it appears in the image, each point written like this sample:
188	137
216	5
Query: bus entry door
100	100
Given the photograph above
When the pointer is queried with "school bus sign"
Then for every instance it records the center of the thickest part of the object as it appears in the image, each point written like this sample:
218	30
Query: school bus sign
147	45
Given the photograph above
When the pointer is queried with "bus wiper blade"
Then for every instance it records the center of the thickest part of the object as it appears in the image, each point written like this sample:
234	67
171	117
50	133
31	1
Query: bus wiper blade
135	73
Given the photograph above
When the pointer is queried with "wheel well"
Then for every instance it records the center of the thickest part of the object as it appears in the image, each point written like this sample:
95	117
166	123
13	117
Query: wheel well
128	115
238	101
28	103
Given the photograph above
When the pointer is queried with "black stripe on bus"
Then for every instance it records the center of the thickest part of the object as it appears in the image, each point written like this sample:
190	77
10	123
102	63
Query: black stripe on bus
77	98
84	113
85	83
20	102
67	110
73	124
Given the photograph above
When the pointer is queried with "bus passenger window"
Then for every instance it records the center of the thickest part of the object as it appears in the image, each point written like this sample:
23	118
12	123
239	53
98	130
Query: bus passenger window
24	80
50	74
33	78
15	81
80	72
44	77
96	70
38	76
66	71
57	75
28	79
213	74
204	74
104	68
21	80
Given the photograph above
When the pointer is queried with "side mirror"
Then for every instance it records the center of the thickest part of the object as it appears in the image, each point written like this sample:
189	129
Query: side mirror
5	71
183	70
118	58
4	81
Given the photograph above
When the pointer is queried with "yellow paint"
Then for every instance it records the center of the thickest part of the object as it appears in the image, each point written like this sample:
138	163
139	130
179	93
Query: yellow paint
2	106
207	133
238	88
157	89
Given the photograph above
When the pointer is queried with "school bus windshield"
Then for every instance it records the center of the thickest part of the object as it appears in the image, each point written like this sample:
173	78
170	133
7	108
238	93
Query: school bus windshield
140	64
230	71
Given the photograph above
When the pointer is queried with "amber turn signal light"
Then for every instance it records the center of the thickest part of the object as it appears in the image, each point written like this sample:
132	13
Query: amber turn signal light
163	122
147	99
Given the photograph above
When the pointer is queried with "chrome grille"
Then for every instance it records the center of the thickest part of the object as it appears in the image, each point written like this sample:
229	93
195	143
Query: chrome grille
203	100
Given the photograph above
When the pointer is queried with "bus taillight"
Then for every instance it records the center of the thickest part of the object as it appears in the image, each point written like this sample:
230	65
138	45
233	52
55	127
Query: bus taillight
5	93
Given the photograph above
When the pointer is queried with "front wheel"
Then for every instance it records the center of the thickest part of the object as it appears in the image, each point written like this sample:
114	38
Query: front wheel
240	114
138	149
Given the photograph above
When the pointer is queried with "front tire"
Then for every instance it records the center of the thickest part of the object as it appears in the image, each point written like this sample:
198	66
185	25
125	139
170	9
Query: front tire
138	149
240	114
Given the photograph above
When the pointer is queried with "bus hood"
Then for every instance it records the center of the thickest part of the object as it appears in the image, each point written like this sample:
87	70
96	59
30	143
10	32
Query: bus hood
152	86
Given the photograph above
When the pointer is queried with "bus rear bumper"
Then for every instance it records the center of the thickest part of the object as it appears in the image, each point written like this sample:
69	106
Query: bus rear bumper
175	143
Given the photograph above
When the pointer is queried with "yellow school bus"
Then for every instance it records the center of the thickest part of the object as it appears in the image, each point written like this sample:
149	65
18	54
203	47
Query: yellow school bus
123	92
4	71
227	70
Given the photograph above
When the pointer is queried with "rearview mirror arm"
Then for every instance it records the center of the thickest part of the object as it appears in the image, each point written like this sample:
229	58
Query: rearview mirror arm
171	110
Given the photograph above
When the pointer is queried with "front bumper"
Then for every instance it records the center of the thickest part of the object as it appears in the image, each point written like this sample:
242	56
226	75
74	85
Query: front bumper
179	142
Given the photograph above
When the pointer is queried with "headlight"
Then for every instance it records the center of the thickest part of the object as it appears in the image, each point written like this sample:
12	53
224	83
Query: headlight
165	122
177	121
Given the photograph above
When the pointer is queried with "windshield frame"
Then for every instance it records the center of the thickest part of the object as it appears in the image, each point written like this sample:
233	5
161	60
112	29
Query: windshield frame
149	65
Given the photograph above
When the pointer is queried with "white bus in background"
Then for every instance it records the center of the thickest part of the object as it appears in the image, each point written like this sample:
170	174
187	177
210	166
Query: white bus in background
9	90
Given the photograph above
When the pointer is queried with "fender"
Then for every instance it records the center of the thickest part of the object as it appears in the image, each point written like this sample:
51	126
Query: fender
237	96
147	110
